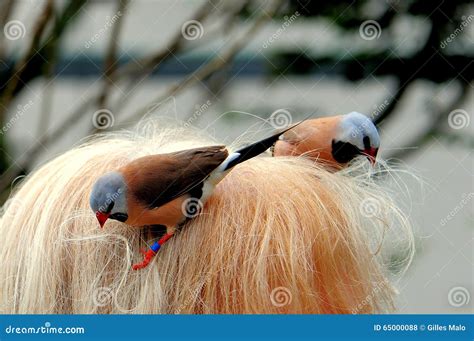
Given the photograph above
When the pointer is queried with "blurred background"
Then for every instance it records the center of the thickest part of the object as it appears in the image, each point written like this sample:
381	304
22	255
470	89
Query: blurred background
72	68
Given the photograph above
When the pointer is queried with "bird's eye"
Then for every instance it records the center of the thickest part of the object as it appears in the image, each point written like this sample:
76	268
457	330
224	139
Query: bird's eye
110	206
366	141
344	152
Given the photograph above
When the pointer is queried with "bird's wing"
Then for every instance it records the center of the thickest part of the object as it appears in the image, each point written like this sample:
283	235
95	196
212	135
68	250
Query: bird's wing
158	179
295	136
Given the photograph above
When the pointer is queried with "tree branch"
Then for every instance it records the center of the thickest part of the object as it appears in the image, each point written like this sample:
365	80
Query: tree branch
438	121
218	62
390	108
127	70
110	65
34	66
21	65
5	10
137	74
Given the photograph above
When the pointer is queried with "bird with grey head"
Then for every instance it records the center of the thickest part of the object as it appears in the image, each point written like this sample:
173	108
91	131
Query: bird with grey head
108	198
333	140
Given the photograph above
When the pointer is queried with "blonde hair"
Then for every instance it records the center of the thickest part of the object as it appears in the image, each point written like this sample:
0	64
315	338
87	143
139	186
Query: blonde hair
279	235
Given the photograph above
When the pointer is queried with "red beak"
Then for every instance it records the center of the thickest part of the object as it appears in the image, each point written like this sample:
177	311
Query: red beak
102	218
371	154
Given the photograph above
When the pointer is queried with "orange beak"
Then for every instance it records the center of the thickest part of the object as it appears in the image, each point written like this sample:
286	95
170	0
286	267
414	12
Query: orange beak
102	218
371	154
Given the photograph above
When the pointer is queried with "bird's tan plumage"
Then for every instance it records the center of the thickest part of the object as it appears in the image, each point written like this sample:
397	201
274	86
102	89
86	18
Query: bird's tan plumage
169	215
311	138
157	184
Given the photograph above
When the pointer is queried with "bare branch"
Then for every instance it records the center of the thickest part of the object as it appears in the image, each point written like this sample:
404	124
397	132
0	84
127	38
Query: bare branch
218	62
137	74
403	85
38	30
110	65
438	121
32	154
135	71
203	72
5	10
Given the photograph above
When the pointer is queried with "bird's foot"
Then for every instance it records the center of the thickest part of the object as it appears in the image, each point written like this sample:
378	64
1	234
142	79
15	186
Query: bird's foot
148	256
165	238
150	253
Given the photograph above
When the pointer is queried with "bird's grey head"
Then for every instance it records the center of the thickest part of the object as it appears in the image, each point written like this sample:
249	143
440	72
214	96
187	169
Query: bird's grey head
109	198
356	135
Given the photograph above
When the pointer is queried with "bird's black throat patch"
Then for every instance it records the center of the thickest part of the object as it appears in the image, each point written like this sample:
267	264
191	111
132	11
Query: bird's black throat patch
344	152
119	216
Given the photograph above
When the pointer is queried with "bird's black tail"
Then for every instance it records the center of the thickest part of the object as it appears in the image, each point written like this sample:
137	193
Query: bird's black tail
256	148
